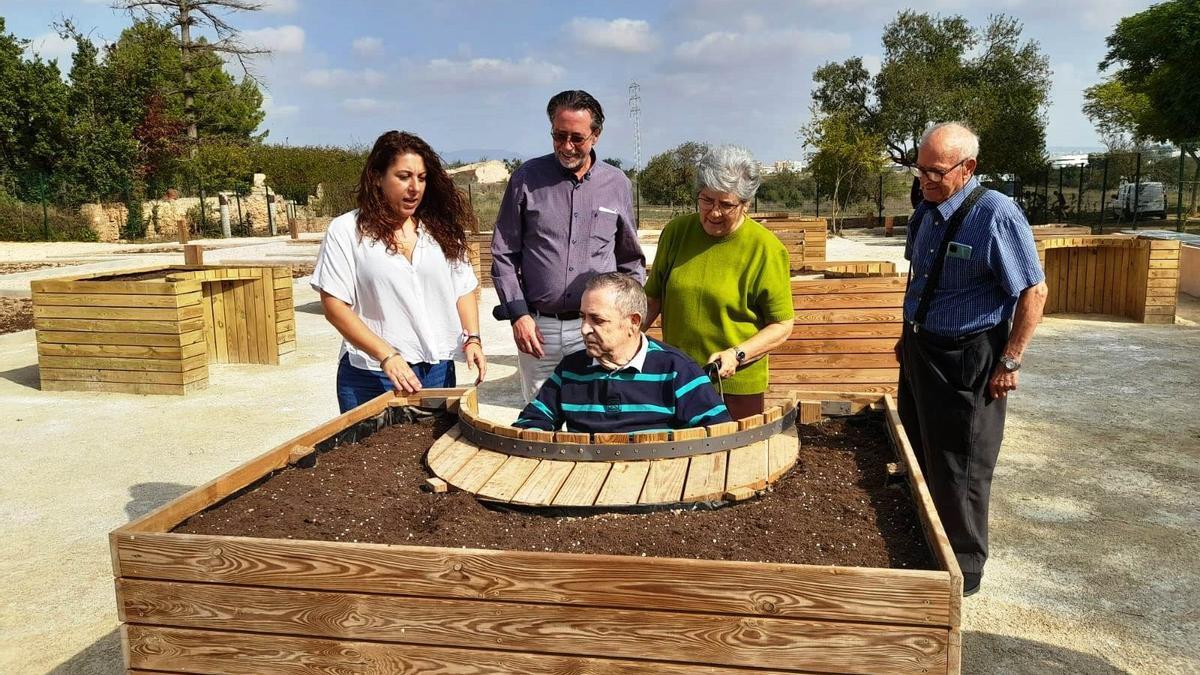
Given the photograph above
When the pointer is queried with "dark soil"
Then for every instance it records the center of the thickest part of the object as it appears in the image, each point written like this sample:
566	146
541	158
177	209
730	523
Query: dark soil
15	314
832	509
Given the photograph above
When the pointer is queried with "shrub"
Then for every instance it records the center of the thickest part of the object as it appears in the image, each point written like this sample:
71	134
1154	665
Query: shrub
23	222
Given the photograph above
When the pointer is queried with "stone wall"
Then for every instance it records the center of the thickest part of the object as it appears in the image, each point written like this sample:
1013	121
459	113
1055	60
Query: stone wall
106	220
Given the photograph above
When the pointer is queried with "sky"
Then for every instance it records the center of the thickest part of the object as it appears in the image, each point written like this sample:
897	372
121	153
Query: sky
472	75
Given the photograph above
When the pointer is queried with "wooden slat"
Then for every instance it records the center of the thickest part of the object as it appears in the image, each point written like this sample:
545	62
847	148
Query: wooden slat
257	354
166	365
175	352
884	345
115	287
664	481
624	484
270	316
509	478
123	387
475	473
111	338
782	451
543	484
451	459
116	313
853	360
583	484
844	375
238	292
848	301
687	638
115	300
165	327
846	330
706	477
98	375
748	467
219	320
250	654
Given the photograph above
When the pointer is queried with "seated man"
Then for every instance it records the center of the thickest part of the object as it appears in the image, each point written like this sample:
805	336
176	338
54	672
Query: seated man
622	380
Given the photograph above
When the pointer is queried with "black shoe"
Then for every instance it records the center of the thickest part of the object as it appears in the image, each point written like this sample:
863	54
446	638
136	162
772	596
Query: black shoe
971	582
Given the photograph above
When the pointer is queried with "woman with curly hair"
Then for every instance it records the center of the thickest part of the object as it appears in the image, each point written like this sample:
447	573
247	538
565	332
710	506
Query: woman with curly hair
394	277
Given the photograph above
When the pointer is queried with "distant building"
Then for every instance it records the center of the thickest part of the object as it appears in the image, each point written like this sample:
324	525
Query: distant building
1061	161
793	165
491	171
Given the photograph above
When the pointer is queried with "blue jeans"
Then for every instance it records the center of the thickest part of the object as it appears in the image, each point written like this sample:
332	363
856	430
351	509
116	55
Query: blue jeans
356	386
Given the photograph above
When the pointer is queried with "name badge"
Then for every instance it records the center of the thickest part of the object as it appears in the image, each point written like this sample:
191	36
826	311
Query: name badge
957	250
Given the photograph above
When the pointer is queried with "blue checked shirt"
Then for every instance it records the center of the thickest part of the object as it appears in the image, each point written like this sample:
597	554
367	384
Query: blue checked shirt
994	261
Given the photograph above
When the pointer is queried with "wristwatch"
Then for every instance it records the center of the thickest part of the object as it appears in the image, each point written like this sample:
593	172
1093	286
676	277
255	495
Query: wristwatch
1010	364
739	354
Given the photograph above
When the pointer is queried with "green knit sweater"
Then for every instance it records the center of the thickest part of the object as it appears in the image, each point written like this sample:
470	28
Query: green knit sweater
716	293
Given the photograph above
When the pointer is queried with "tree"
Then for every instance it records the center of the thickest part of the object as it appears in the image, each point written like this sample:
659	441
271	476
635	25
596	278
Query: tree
512	164
1158	77
33	120
937	69
846	156
787	187
612	161
197	55
670	177
1114	110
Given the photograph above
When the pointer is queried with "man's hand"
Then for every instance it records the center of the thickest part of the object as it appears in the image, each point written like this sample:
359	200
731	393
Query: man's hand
726	361
1002	382
528	337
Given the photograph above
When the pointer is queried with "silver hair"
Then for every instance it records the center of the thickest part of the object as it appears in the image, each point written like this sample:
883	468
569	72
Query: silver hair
729	168
966	140
628	294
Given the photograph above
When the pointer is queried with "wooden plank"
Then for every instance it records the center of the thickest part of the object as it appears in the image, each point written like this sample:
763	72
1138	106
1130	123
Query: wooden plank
721	429
166	365
241	322
142	388
848	301
810	412
748	467
164	327
572	437
133	376
749	422
825	360
847	375
254	326
115	287
544	483
1089	290
849	316
508	479
175	352
706	477
678	637
624	484
475	473
220	334
846	330
782	451
253	654
445	464
664	481
582	485
270	317
115	300
883	345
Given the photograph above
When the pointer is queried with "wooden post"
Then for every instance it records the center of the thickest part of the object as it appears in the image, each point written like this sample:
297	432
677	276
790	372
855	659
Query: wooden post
183	231
193	254
293	225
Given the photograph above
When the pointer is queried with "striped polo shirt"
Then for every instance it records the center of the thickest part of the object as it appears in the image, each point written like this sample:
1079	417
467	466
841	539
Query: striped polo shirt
661	388
994	262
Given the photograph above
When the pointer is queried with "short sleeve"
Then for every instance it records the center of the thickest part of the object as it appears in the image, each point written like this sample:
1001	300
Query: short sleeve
335	270
462	275
775	290
1013	255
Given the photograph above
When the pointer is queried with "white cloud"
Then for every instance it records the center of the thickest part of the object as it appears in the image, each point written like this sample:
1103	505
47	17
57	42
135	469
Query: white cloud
729	50
276	111
279	6
280	40
631	36
488	72
366	106
339	77
367	46
51	46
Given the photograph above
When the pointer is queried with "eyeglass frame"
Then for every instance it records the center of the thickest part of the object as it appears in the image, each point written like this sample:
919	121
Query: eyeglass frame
718	205
570	138
920	172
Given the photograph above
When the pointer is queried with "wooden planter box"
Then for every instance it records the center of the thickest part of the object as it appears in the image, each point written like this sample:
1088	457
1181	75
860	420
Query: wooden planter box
1112	274
223	604
158	335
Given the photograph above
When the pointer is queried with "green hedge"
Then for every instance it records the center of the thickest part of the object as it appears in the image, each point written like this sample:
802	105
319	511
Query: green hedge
23	222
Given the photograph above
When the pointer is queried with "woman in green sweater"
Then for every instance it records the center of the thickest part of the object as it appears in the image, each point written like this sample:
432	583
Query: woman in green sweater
721	281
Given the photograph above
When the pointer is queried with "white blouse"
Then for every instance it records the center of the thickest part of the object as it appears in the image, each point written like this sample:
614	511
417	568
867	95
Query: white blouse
411	305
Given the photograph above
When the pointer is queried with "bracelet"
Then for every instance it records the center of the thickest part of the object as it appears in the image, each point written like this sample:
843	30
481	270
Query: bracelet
473	337
387	358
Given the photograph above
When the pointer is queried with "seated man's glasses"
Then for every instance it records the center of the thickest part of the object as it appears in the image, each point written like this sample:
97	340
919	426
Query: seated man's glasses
934	175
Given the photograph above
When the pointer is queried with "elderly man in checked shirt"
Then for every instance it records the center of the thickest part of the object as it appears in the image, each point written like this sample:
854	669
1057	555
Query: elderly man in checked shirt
975	295
564	218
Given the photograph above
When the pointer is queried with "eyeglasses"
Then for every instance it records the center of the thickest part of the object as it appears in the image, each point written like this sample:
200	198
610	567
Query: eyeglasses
935	175
710	204
562	137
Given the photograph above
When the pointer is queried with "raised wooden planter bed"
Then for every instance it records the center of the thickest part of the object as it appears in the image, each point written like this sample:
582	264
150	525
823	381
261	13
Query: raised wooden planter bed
1112	274
222	604
156	330
851	269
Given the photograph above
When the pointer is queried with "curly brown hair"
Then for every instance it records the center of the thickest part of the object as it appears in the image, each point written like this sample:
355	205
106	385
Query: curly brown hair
444	211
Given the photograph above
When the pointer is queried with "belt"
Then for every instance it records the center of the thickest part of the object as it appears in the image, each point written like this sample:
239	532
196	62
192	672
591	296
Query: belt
938	338
561	316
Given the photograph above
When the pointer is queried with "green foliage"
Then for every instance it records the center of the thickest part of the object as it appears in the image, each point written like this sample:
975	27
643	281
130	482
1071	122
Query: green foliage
847	160
512	164
787	188
23	222
135	225
1115	110
941	69
33	113
295	172
1156	51
670	177
613	161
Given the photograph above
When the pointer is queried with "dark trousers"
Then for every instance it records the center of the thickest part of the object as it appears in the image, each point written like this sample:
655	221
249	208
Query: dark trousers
955	429
356	386
744	405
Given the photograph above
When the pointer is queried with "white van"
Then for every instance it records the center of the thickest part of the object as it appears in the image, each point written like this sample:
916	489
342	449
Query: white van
1151	200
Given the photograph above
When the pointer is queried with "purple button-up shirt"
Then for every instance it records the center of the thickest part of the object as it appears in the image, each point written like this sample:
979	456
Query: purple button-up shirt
554	232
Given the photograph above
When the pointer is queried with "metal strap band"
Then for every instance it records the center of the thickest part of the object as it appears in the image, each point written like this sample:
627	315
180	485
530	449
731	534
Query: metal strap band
593	452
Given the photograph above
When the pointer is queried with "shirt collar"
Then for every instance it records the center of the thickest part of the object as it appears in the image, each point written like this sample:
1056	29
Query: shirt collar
948	207
638	362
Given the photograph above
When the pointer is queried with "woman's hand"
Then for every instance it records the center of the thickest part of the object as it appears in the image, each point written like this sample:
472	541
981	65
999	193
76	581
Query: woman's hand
404	380
475	359
726	361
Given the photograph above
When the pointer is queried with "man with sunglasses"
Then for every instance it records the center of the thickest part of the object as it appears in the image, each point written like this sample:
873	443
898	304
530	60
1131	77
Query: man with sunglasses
975	295
564	218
